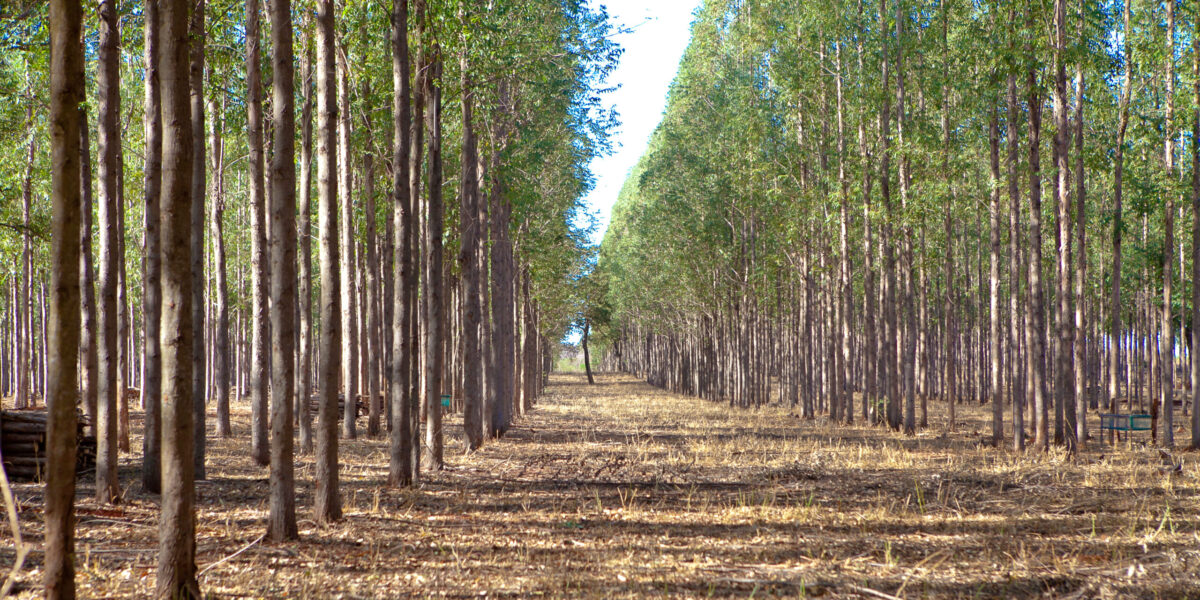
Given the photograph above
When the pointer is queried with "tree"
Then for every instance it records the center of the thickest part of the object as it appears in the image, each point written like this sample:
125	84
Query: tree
281	522
469	231
259	276
66	96
328	504
177	542
152	293
401	466
108	138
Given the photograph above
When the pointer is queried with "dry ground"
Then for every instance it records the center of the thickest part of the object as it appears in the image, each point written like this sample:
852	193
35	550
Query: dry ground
621	490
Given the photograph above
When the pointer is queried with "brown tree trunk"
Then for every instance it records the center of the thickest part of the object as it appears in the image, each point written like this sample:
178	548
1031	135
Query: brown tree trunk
1064	424
67	145
1167	336
151	292
328	502
994	279
221	350
348	263
1195	349
177	542
401	467
1114	355
304	368
1035	331
196	33
373	351
109	138
281	520
260	334
87	348
469	234
435	364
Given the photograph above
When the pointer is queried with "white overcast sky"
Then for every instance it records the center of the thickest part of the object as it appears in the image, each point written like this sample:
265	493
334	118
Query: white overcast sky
659	33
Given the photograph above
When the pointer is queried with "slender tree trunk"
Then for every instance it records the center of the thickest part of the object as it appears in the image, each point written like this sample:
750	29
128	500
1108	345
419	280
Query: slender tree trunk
67	145
281	520
109	137
1167	337
88	360
1114	355
1035	323
1195	349
372	333
328	502
434	366
152	293
994	280
587	359
401	470
221	350
1064	423
503	294
177	542
348	260
1080	273
260	334
469	234
199	166
304	368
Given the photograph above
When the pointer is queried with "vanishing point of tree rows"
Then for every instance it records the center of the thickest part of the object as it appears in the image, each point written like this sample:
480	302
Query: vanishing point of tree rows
873	209
159	232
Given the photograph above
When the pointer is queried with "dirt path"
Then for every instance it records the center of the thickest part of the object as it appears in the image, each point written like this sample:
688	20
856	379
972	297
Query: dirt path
621	490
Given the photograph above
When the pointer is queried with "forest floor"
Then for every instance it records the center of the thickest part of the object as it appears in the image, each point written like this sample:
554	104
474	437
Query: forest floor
622	490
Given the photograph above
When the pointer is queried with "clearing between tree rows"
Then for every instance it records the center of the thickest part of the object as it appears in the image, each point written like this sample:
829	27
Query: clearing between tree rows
623	490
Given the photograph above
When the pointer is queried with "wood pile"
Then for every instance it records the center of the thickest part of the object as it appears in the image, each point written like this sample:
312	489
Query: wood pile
23	444
314	404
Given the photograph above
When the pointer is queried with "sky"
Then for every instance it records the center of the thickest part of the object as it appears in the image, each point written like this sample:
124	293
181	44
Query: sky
659	31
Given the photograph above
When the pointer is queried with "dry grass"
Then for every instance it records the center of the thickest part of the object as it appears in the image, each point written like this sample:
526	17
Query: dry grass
621	490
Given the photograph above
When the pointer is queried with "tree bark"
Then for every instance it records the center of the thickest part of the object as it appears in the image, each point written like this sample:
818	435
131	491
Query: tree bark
435	361
281	520
401	470
109	138
1035	330
1167	336
151	292
328	503
260	334
197	34
67	145
177	543
469	230
304	368
221	350
348	260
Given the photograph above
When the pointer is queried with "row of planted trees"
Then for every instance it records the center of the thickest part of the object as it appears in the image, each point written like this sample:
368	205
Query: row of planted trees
195	277
869	206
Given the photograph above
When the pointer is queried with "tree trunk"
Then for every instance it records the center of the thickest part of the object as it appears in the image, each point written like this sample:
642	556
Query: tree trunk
177	542
1167	337
401	471
151	292
348	263
67	146
197	34
1064	423
1195	349
994	279
587	359
221	350
87	348
1035	331
304	368
260	335
109	138
328	503
373	351
1114	355
281	520
469	234
435	363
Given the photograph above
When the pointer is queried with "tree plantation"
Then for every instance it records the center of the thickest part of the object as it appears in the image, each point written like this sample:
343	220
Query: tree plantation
307	298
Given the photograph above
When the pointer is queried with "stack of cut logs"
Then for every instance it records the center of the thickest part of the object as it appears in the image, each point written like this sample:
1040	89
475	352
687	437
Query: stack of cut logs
23	445
314	403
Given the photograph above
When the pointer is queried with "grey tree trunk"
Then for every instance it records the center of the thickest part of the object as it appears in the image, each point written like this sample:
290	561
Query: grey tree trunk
88	359
1167	337
1195	349
1035	330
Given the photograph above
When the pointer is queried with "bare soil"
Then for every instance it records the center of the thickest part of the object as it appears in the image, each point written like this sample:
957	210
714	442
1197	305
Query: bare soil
620	490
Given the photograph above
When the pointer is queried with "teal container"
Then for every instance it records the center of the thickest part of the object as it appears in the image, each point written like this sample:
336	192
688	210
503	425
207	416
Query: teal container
445	400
